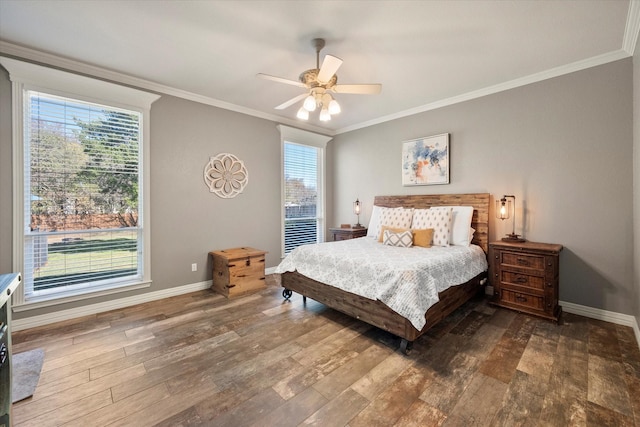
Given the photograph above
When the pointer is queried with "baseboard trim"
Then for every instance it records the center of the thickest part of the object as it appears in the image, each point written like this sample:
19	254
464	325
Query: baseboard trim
604	315
87	310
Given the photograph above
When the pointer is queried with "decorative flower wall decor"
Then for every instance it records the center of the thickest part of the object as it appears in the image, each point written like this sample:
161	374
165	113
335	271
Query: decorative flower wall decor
226	175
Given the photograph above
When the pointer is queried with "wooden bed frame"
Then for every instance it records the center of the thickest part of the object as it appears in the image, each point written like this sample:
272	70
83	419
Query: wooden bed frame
375	312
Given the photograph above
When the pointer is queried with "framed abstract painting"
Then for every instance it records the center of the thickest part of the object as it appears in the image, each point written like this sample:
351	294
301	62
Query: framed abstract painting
425	161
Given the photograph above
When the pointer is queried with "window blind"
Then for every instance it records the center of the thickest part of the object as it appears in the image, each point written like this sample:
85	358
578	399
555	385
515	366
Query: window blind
301	200
81	195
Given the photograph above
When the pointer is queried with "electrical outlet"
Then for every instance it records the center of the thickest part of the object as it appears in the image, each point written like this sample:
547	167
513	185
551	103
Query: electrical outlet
194	267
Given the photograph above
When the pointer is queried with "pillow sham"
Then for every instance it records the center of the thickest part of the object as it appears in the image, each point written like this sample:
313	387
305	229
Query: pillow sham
403	239
374	222
460	224
395	218
438	218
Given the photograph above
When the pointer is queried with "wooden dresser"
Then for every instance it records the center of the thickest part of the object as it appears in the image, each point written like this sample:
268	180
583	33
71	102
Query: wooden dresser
524	277
238	271
348	233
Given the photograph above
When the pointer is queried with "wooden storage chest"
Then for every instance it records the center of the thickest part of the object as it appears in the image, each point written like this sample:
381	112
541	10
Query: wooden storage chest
238	271
525	277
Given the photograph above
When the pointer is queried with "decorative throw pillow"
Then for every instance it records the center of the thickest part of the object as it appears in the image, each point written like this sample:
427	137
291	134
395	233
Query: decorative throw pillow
438	218
402	240
422	237
395	218
383	228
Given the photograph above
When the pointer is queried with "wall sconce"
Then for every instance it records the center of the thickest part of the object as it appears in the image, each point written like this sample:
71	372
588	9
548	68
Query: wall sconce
503	211
356	210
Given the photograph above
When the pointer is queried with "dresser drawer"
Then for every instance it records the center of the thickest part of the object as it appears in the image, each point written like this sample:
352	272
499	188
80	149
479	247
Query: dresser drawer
519	279
522	299
535	262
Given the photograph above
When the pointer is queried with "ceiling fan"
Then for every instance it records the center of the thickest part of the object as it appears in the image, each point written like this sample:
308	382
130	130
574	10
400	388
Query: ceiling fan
319	82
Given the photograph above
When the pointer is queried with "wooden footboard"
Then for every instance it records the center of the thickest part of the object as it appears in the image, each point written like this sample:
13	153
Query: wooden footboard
375	312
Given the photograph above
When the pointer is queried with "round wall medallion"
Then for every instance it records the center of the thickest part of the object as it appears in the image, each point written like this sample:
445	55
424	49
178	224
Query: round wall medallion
226	175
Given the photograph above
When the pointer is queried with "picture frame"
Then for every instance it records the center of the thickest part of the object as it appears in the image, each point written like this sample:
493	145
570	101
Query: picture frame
425	161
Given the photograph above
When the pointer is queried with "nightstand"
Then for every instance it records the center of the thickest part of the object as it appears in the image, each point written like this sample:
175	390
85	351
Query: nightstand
524	277
348	233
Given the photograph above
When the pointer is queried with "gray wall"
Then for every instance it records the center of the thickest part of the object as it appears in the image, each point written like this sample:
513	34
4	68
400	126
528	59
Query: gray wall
563	147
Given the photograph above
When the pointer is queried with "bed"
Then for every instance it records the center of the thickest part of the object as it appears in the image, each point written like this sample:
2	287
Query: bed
376	312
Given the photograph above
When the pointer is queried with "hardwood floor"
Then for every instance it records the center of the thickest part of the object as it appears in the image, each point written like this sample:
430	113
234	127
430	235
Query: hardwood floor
200	359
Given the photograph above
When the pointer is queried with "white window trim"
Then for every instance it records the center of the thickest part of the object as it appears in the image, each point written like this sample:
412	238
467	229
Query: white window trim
28	76
303	137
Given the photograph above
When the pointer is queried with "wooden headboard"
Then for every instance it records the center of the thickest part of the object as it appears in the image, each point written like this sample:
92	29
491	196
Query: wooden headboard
479	201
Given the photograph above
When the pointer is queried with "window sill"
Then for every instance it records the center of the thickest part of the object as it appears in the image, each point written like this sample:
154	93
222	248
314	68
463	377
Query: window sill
63	298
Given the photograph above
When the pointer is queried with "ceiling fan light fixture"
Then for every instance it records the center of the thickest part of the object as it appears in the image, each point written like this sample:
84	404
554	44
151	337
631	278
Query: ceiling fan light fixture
302	114
325	116
310	103
334	107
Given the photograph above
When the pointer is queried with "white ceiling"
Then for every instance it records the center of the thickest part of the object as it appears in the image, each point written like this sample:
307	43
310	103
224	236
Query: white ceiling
424	53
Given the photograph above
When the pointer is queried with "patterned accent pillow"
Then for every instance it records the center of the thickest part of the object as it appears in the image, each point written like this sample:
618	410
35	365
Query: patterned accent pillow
395	218
438	218
402	240
391	229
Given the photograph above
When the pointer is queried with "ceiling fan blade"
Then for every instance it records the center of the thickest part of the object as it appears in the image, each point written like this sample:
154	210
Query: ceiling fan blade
291	101
280	80
330	65
363	89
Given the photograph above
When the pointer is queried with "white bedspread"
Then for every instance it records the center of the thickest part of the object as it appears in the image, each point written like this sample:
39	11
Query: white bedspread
405	279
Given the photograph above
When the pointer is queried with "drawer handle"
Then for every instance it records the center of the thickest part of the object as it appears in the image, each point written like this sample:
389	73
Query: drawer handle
521	298
248	262
522	279
523	261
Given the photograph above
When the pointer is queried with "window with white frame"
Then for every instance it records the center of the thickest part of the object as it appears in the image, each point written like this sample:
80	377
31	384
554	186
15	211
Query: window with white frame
79	155
303	195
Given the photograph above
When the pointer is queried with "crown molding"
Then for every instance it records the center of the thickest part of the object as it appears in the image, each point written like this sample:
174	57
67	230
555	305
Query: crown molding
511	84
42	58
632	28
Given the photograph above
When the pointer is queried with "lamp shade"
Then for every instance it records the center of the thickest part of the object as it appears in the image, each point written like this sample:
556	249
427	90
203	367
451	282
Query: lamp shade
303	114
309	103
324	115
334	107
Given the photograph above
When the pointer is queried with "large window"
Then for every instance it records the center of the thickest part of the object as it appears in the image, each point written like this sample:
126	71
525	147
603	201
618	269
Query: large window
303	187
80	192
82	187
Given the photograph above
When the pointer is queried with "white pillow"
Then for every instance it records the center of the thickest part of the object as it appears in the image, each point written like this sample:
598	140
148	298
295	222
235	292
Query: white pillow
374	222
438	218
472	231
460	224
395	218
402	240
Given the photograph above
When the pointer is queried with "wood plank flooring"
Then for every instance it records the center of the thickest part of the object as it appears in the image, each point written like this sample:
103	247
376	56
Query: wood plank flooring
202	360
